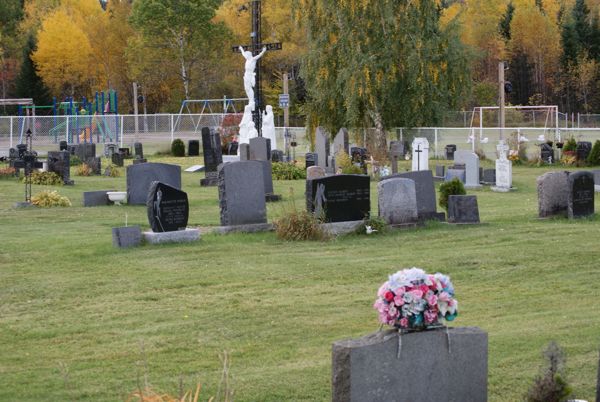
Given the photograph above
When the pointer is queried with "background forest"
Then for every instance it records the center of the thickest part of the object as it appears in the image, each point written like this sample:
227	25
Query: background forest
367	59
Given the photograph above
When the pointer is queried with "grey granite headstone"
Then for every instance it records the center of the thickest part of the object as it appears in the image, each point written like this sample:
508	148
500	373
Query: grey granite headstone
426	204
322	146
85	151
452	173
267	176
596	174
440	170
96	198
138	149
59	163
379	367
260	149
581	195
398	201
312	159
396	153
553	194
241	193
314	172
126	236
244	152
341	142
463	209
471	162
141	176
95	165
489	176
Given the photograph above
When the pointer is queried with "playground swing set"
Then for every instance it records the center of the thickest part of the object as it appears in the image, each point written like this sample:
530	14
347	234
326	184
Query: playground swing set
82	119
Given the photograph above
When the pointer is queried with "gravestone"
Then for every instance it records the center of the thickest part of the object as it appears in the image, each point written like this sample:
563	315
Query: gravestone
583	150
241	193
96	198
425	190
193	148
85	151
314	172
110	150
213	157
488	176
471	162
420	154
139	153
62	145
276	155
260	149
95	165
339	198
312	159
596	174
553	197
117	159
341	142
244	150
580	195
321	147
503	169
450	150
59	163
125	151
547	153
167	208
141	176
381	367
232	148
126	236
396	153
452	173
397	201
440	171
330	165
463	209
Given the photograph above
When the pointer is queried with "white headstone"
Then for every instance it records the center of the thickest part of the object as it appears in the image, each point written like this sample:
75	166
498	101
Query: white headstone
471	162
503	168
420	154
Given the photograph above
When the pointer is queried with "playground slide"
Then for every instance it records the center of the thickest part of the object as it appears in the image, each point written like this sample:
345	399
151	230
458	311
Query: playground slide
86	133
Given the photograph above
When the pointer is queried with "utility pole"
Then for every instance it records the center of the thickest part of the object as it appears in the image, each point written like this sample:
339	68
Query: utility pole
501	100
286	110
135	106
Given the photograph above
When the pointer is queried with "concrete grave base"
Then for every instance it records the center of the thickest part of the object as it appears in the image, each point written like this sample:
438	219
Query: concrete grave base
22	205
176	236
249	228
341	228
127	236
502	189
434	365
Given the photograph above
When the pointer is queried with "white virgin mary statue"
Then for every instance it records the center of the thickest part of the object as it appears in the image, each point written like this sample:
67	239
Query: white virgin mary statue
268	126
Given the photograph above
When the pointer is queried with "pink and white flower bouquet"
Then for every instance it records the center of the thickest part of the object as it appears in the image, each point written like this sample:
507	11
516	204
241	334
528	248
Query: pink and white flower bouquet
414	299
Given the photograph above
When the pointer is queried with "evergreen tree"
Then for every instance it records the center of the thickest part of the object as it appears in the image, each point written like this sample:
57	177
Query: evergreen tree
29	84
504	25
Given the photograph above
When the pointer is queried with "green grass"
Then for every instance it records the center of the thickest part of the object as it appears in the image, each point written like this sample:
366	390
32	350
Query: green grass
74	311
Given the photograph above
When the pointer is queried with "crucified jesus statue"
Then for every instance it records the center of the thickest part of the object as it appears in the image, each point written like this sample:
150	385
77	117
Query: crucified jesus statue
249	74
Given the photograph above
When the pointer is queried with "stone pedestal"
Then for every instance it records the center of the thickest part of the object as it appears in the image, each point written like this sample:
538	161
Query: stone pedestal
127	236
177	236
424	366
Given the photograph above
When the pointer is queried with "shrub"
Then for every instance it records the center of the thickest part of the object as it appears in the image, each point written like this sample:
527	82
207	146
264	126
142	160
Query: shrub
568	158
287	171
298	225
83	170
45	178
112	171
377	224
448	188
7	173
344	163
75	161
593	158
570	145
48	199
177	147
550	385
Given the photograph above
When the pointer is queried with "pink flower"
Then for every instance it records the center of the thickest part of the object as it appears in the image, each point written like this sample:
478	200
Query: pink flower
417	293
382	289
398	300
430	316
404	322
444	296
380	305
432	300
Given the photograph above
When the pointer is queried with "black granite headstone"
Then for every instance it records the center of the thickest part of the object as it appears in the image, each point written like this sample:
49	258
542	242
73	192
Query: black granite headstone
168	208
583	150
213	157
581	194
232	148
95	165
488	176
450	149
59	163
62	146
547	153
312	159
463	209
85	151
117	159
193	148
125	151
339	198
276	155
138	150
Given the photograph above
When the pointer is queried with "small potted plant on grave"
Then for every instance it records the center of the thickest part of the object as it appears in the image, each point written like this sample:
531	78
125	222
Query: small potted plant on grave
413	300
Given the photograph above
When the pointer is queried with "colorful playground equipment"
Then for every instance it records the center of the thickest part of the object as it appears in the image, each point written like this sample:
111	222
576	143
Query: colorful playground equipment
84	119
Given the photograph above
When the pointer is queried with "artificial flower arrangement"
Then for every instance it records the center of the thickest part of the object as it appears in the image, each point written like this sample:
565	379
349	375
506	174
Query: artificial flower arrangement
412	299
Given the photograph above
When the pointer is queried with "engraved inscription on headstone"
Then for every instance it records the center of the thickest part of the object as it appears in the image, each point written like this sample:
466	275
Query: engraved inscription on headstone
339	198
168	208
581	194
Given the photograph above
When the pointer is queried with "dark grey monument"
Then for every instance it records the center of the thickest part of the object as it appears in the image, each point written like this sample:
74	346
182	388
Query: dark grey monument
260	149
580	201
426	204
213	157
339	198
463	209
553	197
141	176
380	367
241	193
59	163
193	148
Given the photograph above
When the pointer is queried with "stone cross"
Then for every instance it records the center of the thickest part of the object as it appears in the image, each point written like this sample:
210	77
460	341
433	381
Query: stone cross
502	149
418	151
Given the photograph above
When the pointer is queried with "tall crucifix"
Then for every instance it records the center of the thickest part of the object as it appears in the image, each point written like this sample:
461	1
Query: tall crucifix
252	53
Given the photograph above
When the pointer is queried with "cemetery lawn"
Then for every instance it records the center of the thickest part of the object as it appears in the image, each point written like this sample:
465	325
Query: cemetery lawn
81	320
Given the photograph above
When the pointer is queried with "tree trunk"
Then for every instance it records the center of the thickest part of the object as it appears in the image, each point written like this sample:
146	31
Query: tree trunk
380	141
184	76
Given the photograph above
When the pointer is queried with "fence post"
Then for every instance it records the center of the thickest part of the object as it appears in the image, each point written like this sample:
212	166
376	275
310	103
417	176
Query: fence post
121	128
67	130
172	127
11	131
435	132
